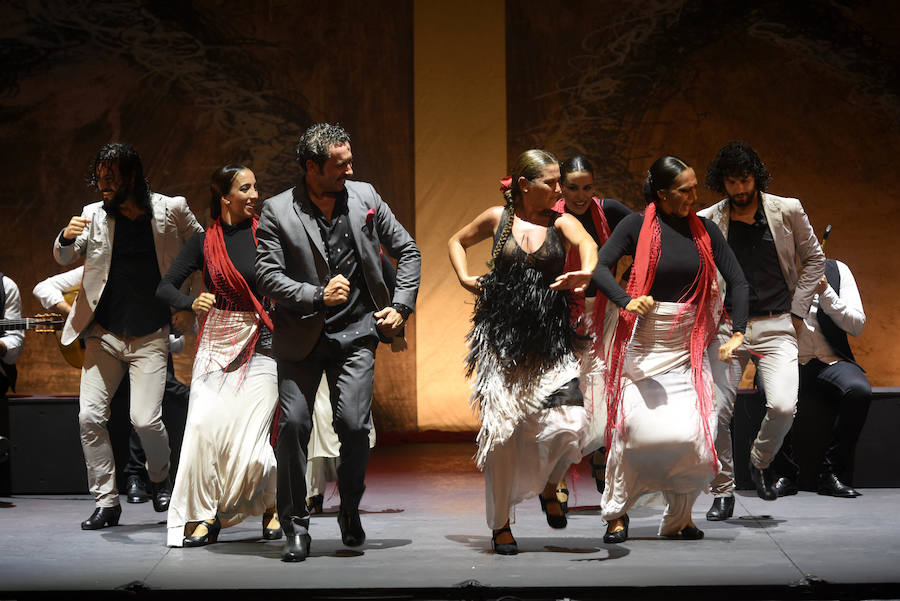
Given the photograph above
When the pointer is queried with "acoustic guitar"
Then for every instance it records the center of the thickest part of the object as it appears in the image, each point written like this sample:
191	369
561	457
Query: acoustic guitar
44	323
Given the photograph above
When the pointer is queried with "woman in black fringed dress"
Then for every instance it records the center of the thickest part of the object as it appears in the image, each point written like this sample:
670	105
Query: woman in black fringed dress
523	344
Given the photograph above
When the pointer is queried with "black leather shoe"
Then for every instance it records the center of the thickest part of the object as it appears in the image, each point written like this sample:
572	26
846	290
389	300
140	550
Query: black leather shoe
352	532
619	536
162	494
764	481
201	540
296	547
314	503
830	485
554	520
722	509
271	533
102	517
136	490
785	487
504	548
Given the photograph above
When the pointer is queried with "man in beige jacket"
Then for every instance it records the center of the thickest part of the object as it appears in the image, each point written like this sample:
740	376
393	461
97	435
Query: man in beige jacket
783	263
127	240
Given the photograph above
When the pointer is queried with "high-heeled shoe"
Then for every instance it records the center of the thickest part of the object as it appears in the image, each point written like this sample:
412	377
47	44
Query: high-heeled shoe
504	548
553	520
562	495
210	535
691	532
619	536
598	471
296	547
271	526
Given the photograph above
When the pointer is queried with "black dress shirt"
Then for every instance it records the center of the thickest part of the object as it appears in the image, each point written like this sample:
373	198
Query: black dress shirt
353	319
128	305
754	247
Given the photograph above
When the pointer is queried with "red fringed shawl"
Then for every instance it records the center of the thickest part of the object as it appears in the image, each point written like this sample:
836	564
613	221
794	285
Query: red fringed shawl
227	284
705	299
573	263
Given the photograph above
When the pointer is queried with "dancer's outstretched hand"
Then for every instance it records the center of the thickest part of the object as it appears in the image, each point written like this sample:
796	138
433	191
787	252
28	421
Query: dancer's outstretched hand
576	281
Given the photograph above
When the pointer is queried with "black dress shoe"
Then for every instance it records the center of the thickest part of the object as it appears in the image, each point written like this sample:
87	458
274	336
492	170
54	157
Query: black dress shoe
102	517
136	490
211	535
722	509
830	485
619	536
352	532
162	494
764	481
296	547
314	503
785	487
554	520
504	548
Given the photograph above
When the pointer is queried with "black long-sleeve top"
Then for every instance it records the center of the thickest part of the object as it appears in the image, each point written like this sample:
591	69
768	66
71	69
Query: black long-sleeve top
678	264
241	250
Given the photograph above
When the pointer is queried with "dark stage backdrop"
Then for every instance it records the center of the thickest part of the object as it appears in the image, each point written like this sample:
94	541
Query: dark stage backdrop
194	85
813	86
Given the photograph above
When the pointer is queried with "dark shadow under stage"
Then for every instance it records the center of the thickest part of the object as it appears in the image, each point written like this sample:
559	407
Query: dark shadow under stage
427	538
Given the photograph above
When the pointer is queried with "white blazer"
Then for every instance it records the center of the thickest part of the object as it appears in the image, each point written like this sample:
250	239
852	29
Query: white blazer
800	257
173	224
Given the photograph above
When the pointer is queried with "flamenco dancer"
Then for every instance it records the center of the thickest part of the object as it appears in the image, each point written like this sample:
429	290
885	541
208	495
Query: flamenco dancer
227	468
661	414
523	344
599	217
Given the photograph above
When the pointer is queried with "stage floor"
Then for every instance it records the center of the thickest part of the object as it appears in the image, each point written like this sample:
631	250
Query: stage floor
427	538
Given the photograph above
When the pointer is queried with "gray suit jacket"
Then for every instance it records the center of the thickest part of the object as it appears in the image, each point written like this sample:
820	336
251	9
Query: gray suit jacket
799	254
173	223
291	263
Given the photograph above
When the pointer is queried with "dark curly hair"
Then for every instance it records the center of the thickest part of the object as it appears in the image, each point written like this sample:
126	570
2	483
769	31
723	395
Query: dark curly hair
736	159
130	169
316	142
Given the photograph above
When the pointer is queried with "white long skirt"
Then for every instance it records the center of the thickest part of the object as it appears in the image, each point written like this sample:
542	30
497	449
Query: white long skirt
540	450
227	465
663	446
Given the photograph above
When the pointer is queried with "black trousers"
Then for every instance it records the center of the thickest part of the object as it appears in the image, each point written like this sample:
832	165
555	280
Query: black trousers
845	390
349	371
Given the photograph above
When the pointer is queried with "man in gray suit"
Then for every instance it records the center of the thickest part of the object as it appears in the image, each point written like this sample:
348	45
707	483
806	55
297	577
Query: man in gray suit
128	241
783	262
319	259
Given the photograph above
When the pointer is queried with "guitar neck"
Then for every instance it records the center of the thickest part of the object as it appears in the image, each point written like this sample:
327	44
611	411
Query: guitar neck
24	323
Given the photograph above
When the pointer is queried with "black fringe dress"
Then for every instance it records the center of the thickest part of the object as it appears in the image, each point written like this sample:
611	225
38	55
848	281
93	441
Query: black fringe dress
523	348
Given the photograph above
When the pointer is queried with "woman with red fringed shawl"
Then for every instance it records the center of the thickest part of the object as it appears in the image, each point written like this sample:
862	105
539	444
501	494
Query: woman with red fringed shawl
661	415
599	217
227	467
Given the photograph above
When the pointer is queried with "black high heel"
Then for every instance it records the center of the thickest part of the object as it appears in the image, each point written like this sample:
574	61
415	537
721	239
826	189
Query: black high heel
691	532
504	548
598	471
619	536
211	536
271	533
554	521
563	492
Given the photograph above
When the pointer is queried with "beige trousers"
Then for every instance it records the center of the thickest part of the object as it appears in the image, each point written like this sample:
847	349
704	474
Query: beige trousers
106	359
771	343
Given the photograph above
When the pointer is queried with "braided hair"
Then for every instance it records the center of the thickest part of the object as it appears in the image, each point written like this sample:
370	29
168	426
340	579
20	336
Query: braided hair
529	165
